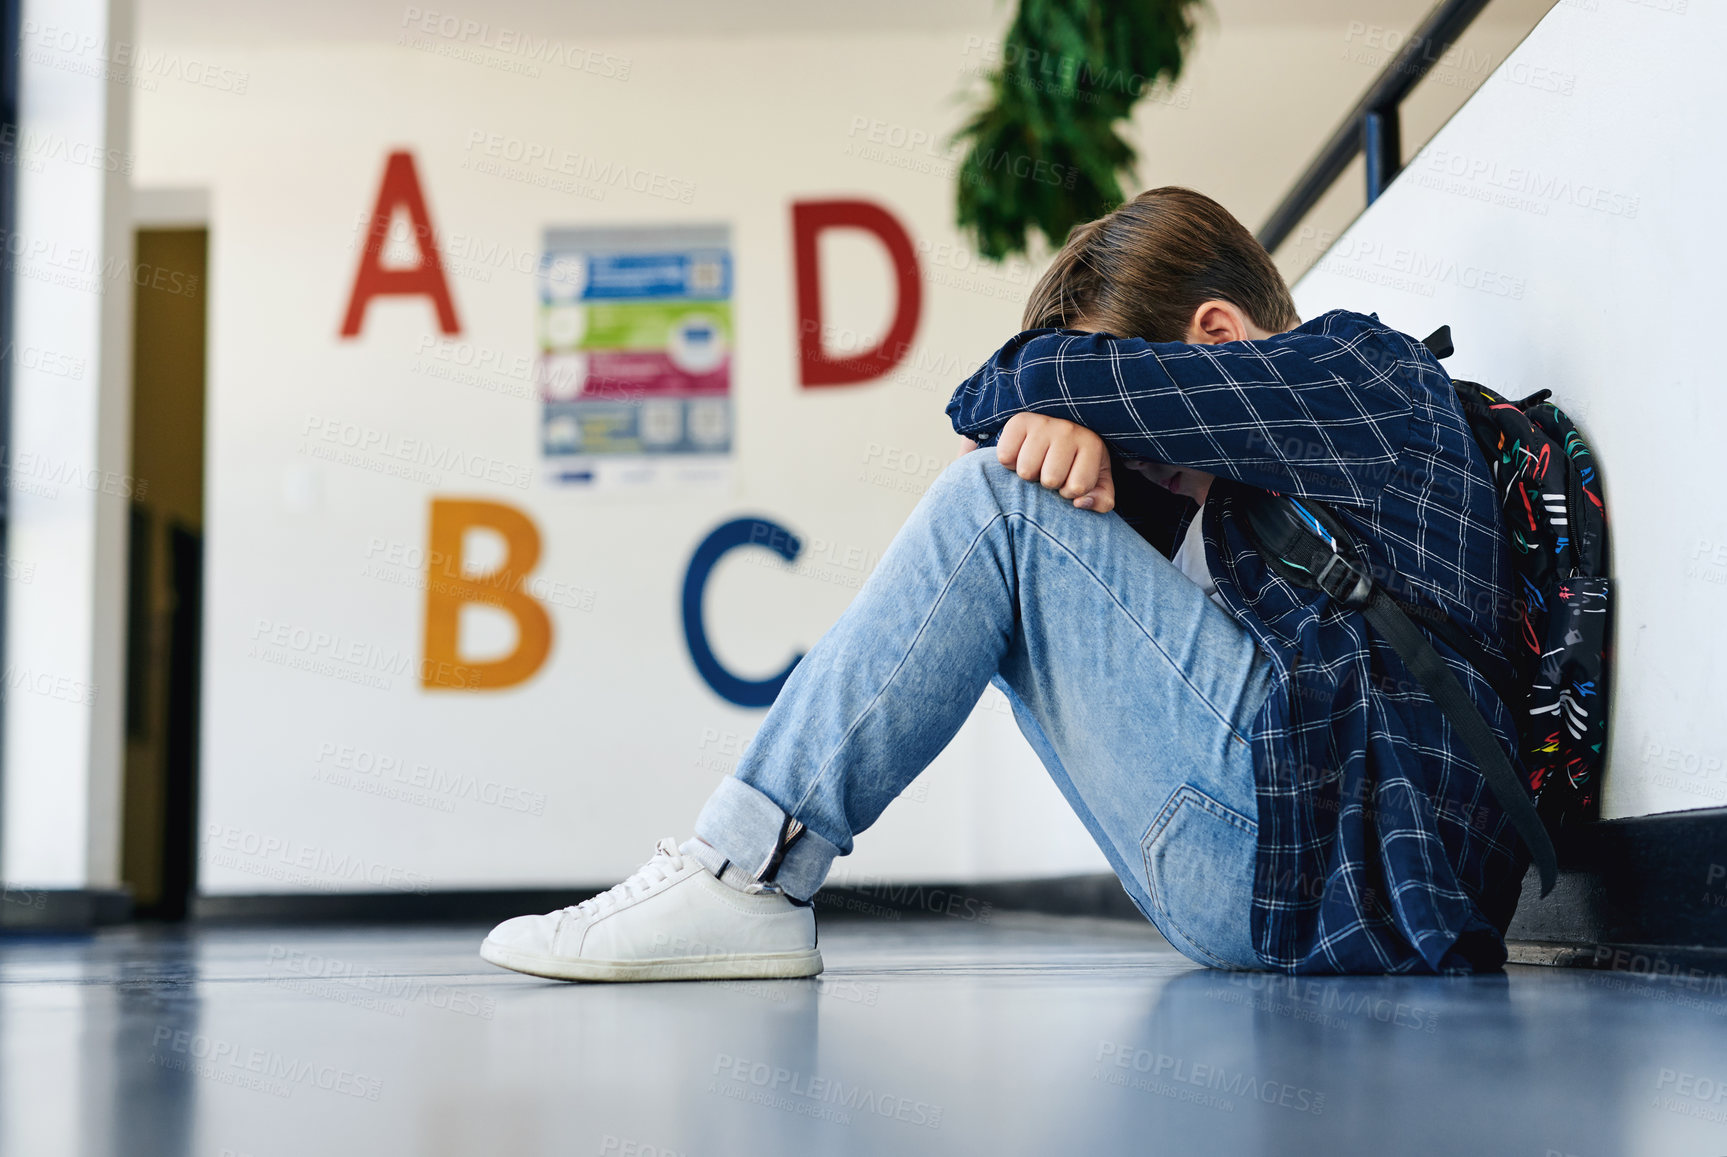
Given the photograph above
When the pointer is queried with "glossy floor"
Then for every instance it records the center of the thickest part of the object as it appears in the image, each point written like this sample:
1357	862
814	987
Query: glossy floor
1021	1034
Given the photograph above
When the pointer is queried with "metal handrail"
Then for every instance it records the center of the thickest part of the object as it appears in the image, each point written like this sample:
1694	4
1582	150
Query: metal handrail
1372	126
12	48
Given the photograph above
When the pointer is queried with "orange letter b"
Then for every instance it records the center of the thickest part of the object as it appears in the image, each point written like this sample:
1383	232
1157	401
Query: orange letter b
448	586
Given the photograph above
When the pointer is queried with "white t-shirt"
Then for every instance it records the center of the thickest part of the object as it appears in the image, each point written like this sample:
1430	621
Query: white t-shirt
1190	558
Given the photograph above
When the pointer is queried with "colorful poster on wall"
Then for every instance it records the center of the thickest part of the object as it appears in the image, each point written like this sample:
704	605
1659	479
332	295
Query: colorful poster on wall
635	367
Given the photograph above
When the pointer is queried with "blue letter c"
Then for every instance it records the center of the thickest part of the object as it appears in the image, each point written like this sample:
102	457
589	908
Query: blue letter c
726	537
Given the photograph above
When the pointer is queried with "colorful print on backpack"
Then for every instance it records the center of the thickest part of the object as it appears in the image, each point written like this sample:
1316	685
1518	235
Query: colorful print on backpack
1550	497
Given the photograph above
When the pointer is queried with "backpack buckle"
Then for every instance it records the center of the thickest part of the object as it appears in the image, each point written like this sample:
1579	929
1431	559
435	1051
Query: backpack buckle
1344	581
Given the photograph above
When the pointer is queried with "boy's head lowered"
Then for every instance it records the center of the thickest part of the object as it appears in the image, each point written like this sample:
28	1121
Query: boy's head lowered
1150	268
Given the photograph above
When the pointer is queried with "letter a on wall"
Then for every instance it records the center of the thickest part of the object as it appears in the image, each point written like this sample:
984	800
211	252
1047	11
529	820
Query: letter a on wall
450	584
817	366
400	190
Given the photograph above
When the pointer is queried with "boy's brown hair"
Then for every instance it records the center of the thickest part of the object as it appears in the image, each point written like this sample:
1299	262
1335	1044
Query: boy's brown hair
1144	269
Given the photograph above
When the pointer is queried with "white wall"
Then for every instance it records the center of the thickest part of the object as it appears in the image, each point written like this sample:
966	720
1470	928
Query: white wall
1565	224
70	256
617	732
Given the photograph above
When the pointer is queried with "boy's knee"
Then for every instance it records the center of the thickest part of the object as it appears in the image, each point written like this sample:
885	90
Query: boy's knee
979	472
977	482
972	468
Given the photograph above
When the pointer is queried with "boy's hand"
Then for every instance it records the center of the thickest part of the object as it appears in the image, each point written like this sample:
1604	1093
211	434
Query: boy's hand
1059	455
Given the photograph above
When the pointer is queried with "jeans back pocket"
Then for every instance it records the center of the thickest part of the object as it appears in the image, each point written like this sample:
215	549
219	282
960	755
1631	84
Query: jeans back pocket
1199	861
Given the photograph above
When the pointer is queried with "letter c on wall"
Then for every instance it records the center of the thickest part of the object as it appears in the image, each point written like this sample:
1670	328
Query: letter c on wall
727	537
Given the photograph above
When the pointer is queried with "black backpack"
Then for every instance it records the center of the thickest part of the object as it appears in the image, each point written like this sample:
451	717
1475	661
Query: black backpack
1556	684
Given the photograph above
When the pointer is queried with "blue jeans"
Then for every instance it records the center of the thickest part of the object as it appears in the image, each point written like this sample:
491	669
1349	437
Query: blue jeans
1135	690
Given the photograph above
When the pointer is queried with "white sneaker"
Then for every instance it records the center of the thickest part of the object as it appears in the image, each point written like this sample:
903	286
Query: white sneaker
672	920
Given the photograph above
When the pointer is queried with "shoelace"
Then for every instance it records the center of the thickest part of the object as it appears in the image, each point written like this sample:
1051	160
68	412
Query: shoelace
667	861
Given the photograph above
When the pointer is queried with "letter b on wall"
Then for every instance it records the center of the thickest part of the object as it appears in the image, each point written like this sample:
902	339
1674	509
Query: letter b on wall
449	585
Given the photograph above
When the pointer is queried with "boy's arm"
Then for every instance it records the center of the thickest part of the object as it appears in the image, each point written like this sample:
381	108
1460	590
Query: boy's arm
1315	413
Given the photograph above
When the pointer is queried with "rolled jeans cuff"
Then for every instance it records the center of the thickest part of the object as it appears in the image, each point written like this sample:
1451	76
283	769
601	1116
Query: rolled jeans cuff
744	826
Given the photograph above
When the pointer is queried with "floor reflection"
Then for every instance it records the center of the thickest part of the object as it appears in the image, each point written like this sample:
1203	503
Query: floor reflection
1020	1035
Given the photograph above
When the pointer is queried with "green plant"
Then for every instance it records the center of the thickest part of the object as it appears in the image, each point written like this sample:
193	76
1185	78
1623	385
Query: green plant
1044	153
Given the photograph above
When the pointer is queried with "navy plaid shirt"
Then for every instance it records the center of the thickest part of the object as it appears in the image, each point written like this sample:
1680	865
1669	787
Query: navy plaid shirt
1381	848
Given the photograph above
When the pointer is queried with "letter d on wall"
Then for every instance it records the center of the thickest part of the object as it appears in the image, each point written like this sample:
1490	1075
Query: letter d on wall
449	585
817	367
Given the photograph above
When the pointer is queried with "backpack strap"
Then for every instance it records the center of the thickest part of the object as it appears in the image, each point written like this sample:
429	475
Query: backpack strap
1290	546
1435	620
1438	342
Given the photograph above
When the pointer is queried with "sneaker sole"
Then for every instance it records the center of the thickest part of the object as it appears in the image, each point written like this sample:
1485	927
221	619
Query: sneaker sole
762	966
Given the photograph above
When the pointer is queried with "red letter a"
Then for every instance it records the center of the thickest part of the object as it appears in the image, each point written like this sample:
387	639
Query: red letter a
401	187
